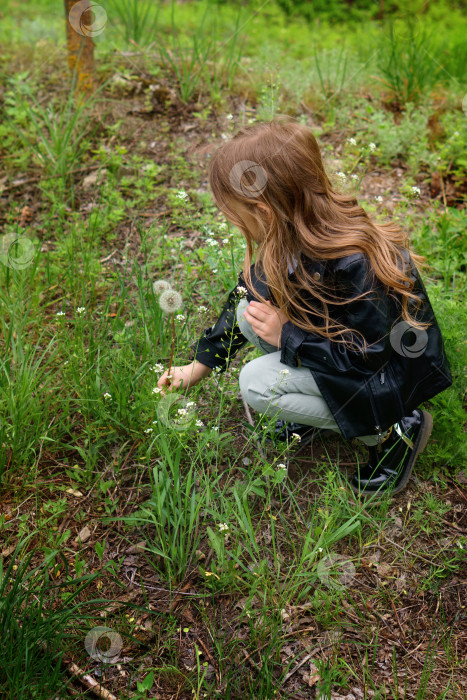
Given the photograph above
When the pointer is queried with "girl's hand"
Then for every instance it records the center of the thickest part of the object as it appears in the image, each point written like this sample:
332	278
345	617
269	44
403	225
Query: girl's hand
266	321
183	377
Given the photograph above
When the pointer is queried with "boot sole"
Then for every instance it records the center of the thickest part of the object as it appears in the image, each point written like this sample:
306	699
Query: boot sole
419	446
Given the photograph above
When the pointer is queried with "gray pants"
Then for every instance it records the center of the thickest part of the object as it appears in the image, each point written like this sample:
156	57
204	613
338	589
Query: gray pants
290	393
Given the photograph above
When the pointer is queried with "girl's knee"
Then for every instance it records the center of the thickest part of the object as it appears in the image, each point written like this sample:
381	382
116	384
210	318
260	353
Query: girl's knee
242	304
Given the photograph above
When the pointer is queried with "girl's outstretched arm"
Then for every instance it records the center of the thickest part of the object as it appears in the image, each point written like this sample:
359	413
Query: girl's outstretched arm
220	343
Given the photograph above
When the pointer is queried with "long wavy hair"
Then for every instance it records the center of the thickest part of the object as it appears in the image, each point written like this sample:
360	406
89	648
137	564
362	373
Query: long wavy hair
278	164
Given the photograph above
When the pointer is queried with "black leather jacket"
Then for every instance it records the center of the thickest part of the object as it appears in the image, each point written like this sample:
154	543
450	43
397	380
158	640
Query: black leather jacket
365	393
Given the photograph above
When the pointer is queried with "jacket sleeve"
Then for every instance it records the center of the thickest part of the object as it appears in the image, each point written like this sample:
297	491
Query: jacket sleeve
219	344
371	315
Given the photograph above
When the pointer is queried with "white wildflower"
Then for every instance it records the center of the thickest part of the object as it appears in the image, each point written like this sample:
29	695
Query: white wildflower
215	427
202	309
342	175
181	194
296	435
225	240
199	423
179	317
416	191
148	430
211	242
281	466
222	226
170	301
60	313
242	291
223	527
214	271
230	116
157	367
284	371
320	549
156	390
107	395
379	198
354	176
80	309
182	411
154	422
190	403
160	286
372	146
352	141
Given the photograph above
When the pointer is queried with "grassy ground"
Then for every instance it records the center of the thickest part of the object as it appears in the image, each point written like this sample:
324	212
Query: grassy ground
178	562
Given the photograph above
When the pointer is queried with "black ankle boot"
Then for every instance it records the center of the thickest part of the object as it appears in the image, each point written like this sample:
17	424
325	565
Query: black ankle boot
390	466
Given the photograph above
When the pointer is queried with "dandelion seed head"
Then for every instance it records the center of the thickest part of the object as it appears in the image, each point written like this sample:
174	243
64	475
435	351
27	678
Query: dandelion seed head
160	286
170	301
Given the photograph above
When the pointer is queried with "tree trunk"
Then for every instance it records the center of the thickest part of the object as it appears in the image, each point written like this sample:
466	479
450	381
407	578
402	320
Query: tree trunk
80	29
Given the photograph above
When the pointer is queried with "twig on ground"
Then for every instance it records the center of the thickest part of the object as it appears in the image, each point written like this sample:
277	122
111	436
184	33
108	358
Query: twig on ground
89	682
